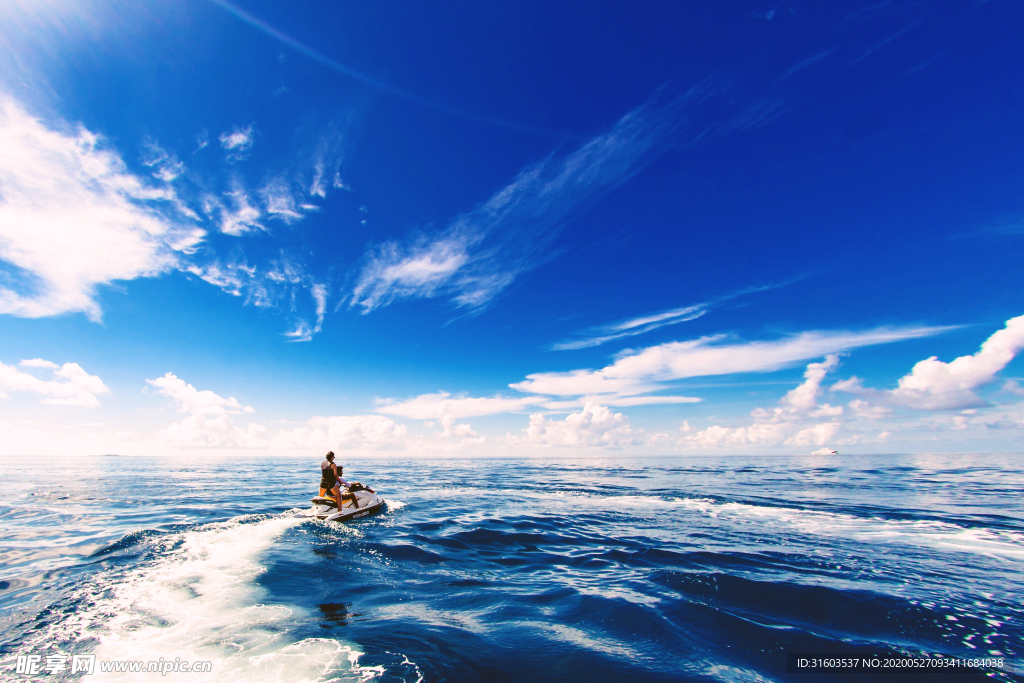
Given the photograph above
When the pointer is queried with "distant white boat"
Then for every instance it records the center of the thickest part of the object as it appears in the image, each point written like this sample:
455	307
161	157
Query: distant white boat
825	451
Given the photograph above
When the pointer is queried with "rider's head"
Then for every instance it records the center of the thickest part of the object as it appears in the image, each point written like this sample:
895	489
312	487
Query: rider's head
330	455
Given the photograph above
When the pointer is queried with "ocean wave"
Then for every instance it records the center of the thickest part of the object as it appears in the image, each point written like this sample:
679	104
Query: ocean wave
197	599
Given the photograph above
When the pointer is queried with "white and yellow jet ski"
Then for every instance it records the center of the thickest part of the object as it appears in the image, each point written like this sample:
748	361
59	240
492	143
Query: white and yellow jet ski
366	504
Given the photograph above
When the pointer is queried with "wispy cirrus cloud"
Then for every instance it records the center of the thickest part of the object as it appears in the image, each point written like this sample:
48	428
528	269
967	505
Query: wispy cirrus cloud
303	331
595	336
74	218
279	200
234	210
166	165
630	328
647	370
276	284
481	252
394	271
202	139
238	142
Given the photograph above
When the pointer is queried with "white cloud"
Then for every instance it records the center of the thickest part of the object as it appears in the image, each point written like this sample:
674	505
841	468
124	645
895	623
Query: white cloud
303	332
199	431
191	400
600	334
72	218
238	215
629	328
318	188
935	385
1011	386
327	159
279	200
756	434
345	432
237	279
276	284
394	272
595	425
642	371
817	435
442	406
481	252
166	166
584	382
38	363
238	143
320	293
460	431
805	396
439	405
631	401
784	424
868	411
71	386
851	386
765	434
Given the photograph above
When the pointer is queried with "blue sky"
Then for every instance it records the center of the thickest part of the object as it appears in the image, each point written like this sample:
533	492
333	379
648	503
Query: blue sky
527	229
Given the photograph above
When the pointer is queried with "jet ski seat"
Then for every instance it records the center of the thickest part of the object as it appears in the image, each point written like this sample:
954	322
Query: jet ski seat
329	500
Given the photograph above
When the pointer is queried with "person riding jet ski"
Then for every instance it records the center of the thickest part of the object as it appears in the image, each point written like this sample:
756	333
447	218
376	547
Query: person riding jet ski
331	480
335	490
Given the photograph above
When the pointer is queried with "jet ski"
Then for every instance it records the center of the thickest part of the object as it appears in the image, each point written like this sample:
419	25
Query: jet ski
366	504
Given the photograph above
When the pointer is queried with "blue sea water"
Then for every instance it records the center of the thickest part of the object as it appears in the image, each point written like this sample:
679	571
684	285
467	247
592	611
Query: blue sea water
549	569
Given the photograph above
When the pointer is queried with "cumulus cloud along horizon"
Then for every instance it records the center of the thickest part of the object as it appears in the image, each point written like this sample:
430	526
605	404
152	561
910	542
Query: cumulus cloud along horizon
593	426
355	433
442	405
188	399
70	386
437	406
931	386
482	251
72	218
936	385
794	421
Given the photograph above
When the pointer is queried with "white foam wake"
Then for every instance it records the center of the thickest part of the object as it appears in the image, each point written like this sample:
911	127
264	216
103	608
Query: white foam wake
939	536
933	534
200	602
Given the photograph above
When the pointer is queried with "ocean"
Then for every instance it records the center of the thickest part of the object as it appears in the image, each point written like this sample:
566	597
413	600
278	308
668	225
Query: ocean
539	569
